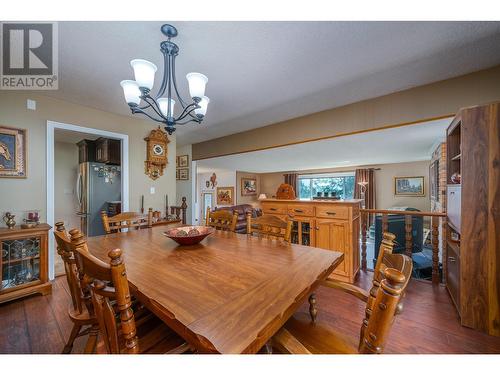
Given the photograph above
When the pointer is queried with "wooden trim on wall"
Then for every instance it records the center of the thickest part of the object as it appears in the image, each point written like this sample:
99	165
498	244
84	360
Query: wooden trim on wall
331	136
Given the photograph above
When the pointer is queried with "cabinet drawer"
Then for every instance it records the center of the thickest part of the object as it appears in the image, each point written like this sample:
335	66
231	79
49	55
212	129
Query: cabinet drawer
274	208
301	210
340	212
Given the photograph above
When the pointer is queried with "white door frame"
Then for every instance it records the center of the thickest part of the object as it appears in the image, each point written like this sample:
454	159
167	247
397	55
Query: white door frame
51	127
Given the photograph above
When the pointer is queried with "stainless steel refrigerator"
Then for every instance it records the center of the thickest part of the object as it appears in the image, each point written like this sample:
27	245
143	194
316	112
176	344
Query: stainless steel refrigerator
96	185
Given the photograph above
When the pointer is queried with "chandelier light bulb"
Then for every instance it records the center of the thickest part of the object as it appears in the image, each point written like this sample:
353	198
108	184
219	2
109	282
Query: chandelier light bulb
144	72
163	104
131	92
197	83
202	111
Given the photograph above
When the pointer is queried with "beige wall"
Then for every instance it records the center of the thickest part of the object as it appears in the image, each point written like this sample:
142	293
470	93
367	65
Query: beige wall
384	180
246	199
65	173
22	194
184	187
415	104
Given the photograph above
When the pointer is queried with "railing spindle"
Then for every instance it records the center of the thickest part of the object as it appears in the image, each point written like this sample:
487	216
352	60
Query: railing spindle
385	224
435	249
408	235
364	219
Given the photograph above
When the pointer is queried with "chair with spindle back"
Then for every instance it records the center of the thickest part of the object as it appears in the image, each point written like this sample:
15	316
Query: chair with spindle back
81	310
222	219
300	336
121	331
386	248
126	220
269	226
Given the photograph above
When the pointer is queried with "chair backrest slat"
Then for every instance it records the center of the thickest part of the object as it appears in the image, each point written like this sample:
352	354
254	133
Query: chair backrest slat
126	220
269	226
222	219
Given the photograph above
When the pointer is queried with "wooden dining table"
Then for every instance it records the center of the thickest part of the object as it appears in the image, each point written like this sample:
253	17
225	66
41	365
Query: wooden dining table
229	294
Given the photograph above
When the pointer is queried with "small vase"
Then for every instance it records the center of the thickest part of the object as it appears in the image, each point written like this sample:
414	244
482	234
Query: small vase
9	220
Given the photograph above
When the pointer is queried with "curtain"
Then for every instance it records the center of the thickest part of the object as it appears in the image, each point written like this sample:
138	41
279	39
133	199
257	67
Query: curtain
366	176
291	179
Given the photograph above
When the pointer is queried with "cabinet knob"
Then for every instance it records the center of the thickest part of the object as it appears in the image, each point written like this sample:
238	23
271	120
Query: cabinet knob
330	213
299	211
317	228
273	209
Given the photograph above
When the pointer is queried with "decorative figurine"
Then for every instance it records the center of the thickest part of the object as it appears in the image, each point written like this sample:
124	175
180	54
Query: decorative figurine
9	220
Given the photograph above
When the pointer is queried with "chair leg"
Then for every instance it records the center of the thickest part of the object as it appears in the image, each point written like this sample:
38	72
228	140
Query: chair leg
313	311
92	340
73	335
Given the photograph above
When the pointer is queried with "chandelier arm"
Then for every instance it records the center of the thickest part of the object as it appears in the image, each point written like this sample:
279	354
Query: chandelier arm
138	110
189	109
166	73
154	105
174	81
169	93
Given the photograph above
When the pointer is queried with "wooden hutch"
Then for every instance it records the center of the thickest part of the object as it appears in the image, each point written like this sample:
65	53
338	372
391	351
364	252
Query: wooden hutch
24	262
332	225
472	262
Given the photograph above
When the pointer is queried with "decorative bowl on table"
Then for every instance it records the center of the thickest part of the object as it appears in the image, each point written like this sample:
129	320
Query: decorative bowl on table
190	235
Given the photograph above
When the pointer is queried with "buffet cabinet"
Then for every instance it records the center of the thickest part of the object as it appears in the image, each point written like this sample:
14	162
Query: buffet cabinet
331	225
472	264
24	262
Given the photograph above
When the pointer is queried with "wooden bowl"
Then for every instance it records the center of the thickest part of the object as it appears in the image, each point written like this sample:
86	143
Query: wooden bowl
190	235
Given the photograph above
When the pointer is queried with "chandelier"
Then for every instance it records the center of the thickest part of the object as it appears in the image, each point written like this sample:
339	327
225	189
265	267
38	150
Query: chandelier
160	108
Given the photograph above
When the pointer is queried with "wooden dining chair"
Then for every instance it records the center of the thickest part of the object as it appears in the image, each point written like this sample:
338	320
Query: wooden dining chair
222	219
299	335
80	311
386	248
124	220
120	329
269	226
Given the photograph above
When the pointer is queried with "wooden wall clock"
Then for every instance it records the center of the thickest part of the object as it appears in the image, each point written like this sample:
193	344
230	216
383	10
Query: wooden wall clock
156	153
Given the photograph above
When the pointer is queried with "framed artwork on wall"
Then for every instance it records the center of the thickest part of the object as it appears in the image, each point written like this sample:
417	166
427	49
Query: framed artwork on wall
409	186
248	186
225	196
183	173
177	174
183	161
12	152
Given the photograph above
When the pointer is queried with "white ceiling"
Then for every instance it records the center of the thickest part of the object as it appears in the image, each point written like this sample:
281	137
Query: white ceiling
264	72
396	145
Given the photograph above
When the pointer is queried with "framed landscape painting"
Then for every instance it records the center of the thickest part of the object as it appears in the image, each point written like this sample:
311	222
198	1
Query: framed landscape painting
12	152
409	186
248	186
225	196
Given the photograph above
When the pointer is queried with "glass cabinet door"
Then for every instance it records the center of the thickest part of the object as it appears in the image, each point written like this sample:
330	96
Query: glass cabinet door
301	232
20	261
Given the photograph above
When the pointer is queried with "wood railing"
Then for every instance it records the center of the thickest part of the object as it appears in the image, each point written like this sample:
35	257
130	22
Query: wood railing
438	224
180	211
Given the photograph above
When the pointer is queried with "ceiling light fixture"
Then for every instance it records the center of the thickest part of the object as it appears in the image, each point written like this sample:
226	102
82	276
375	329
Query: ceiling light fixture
161	107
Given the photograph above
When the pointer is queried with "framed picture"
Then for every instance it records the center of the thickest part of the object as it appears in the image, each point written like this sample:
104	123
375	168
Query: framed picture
248	186
409	186
12	152
183	161
177	174
434	180
176	162
183	173
225	196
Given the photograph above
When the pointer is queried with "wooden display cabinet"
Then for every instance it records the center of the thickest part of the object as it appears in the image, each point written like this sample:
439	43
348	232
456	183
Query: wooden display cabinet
24	262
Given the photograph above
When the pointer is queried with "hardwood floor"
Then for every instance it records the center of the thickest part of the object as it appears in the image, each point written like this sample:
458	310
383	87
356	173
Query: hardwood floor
429	323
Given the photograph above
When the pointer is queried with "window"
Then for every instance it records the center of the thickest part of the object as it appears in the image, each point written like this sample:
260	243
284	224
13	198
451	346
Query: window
342	184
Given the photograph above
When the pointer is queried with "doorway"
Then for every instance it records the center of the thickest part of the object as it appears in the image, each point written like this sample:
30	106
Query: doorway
67	193
207	201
